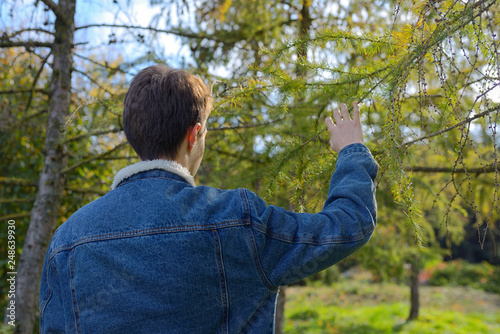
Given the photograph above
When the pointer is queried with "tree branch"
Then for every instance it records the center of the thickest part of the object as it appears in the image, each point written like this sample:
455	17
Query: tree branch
22	91
95	157
85	191
55	9
239	156
95	133
19	32
14	181
120	158
245	126
15	216
26	44
16	200
35	80
115	69
173	32
493	168
93	81
465	121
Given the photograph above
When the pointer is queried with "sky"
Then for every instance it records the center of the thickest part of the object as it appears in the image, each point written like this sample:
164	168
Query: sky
20	13
137	13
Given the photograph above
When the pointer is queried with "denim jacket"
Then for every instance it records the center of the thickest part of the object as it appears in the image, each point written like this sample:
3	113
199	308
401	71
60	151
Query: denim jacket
160	255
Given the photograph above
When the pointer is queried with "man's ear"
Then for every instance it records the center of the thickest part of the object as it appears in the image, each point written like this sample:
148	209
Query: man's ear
191	135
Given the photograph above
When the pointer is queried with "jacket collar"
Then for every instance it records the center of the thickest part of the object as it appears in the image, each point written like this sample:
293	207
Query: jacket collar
142	166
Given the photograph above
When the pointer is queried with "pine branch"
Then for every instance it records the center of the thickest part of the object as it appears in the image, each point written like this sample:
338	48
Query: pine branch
465	121
19	32
35	80
94	81
15	216
493	168
114	69
26	44
23	91
120	158
14	181
239	156
95	133
86	191
93	158
23	120
246	126
16	200
173	32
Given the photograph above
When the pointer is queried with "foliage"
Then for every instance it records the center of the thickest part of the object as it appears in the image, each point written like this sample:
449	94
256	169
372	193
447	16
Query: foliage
481	276
425	71
359	307
91	137
5	329
412	95
324	277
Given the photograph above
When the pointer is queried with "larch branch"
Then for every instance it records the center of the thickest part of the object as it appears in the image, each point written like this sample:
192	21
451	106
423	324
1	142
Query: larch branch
35	80
493	168
86	191
23	91
26	44
94	133
246	126
55	9
15	216
465	121
93	158
164	31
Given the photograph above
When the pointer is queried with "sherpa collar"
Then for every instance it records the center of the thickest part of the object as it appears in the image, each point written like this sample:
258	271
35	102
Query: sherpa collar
142	166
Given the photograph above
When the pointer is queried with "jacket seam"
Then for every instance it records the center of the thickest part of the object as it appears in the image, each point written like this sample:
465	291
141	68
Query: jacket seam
46	298
223	282
76	311
258	265
151	231
124	182
255	252
315	241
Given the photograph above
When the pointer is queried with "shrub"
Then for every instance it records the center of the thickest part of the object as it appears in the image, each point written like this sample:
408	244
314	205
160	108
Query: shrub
483	276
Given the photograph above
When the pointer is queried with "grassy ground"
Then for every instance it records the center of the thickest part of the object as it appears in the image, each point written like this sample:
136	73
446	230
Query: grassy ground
359	307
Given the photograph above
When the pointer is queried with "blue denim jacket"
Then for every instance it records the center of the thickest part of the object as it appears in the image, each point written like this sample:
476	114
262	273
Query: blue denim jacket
157	255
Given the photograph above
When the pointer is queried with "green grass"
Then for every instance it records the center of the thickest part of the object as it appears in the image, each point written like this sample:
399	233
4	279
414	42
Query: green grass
356	307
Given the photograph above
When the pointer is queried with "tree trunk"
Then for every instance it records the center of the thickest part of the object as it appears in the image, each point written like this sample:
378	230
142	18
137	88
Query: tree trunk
51	184
414	293
280	311
304	27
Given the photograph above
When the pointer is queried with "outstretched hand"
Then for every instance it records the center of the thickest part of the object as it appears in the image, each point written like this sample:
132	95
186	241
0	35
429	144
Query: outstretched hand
344	131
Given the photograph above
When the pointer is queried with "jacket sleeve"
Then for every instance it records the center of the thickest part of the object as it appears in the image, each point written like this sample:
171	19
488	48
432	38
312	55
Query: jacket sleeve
291	246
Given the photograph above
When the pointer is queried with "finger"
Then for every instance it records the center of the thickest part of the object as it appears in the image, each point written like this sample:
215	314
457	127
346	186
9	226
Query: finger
345	112
356	116
337	115
329	123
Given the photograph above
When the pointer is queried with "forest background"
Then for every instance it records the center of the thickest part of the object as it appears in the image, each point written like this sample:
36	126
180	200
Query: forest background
426	72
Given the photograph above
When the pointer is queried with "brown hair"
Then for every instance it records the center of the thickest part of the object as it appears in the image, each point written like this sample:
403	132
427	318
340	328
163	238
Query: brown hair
160	106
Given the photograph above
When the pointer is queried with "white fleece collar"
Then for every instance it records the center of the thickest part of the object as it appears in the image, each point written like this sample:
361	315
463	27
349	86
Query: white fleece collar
142	166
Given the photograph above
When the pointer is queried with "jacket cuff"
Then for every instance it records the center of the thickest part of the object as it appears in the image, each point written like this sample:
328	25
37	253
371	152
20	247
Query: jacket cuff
354	148
360	150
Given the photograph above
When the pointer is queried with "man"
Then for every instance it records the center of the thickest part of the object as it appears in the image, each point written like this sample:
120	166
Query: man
158	254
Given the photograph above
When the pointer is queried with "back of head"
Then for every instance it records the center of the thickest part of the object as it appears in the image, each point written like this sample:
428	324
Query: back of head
160	106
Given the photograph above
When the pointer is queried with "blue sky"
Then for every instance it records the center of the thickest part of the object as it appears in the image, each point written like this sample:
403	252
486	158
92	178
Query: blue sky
18	14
